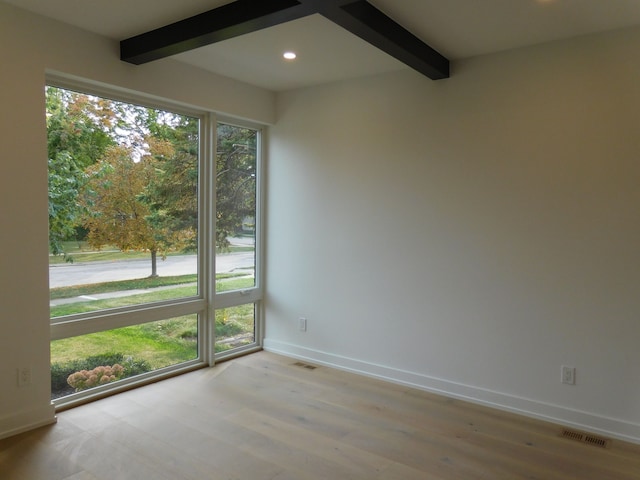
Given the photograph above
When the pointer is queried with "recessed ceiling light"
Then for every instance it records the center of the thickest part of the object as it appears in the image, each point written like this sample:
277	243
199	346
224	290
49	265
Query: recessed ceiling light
289	55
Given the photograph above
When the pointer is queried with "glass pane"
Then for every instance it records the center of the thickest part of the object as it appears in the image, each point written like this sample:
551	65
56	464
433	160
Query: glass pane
235	327
235	207
88	361
123	196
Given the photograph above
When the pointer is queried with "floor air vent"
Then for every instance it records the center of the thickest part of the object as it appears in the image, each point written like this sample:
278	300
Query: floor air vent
305	365
587	438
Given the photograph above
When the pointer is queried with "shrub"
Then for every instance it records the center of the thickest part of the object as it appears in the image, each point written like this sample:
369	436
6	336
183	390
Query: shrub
189	333
98	376
228	329
135	367
60	372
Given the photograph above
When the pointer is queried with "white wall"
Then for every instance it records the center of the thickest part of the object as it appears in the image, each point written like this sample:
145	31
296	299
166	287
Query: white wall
29	46
469	235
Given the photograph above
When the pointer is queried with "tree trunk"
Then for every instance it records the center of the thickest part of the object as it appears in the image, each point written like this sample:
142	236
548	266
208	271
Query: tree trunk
154	264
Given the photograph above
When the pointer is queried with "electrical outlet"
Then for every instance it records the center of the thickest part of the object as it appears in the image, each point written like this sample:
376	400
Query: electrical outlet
568	375
302	324
24	376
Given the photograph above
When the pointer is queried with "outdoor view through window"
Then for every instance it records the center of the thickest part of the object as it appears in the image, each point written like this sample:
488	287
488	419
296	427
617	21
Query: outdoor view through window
124	193
236	206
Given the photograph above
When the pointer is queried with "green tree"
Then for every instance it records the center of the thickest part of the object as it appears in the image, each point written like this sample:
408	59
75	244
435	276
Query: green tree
173	141
235	180
77	136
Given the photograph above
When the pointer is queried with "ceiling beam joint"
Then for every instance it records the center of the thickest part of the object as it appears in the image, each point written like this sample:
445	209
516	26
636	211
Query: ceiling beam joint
246	16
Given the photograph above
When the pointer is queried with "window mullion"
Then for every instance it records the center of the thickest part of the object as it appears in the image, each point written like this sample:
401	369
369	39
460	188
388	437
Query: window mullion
209	246
108	320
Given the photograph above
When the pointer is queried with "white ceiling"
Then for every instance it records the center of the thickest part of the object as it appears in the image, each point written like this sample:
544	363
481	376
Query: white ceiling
456	28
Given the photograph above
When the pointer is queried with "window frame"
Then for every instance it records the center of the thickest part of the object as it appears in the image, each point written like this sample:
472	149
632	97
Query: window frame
207	301
252	295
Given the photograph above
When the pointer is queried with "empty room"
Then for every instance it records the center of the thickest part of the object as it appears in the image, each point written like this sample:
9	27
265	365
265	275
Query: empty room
307	240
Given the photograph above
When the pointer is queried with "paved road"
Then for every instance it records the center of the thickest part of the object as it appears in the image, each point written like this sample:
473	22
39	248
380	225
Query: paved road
85	273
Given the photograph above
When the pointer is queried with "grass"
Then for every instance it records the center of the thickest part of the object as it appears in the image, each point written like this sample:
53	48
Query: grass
180	291
234	249
156	344
146	347
136	299
80	251
137	284
105	287
161	343
140	348
233	321
235	284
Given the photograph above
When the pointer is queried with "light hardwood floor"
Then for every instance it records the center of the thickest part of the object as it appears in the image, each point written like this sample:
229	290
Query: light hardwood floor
260	417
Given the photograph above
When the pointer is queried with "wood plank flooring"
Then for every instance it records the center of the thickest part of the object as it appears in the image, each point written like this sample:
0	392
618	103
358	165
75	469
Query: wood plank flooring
260	417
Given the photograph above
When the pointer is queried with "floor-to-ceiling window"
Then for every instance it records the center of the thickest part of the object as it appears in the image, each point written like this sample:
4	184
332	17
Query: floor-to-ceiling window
237	290
153	234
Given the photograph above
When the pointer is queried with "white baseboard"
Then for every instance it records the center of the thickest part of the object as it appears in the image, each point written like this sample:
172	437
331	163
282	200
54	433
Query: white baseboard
609	427
26	420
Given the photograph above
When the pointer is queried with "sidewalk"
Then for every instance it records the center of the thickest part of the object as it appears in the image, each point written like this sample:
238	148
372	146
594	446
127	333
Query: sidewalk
123	293
102	296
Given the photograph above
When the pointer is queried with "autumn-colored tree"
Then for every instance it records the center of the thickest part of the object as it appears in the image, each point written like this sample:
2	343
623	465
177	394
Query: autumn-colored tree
116	211
128	175
121	174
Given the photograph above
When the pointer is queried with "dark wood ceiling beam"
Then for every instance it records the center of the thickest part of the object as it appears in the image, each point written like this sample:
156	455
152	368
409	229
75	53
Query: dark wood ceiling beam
246	16
222	23
367	22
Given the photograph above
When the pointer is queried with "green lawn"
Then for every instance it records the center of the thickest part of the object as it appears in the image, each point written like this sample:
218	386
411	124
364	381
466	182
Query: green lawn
225	282
138	348
146	347
139	283
94	305
152	345
160	344
80	251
